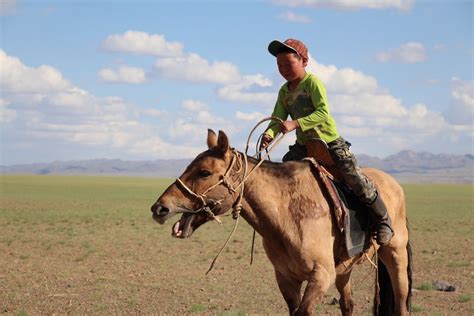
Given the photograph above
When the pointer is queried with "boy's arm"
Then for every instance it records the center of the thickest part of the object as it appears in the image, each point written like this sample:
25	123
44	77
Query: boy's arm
321	108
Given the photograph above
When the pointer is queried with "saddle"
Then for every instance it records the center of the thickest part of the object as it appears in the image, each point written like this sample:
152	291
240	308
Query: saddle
351	216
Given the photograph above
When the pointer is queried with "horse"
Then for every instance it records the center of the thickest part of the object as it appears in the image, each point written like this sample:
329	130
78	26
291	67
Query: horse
286	205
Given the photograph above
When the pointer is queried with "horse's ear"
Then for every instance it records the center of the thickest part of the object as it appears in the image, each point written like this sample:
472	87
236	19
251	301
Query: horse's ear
211	139
223	143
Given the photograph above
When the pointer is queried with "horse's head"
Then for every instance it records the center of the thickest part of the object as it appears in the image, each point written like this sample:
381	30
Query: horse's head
202	191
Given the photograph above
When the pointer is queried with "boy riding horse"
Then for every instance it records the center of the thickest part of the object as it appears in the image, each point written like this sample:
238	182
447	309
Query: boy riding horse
303	98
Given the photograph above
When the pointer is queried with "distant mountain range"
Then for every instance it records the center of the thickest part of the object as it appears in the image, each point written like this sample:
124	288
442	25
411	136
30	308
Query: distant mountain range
406	166
159	168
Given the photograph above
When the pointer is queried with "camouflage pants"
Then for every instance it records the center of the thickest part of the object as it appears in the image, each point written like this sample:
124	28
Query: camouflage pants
346	162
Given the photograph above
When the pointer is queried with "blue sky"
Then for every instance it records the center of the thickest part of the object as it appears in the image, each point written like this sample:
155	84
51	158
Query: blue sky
145	79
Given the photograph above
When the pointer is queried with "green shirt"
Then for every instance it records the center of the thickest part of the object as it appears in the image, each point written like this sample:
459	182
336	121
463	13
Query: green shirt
308	105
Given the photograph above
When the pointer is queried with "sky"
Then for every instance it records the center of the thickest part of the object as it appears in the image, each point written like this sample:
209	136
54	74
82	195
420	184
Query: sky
144	80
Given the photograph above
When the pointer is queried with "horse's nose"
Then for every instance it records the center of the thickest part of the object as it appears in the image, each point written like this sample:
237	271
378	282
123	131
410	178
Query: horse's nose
160	210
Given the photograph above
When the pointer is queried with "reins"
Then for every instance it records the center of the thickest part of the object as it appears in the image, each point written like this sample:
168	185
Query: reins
207	205
224	180
238	206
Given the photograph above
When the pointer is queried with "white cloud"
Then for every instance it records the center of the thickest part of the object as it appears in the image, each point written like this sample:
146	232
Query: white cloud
159	148
463	92
249	117
364	111
295	18
192	123
124	74
194	68
151	112
410	53
183	66
6	114
241	92
194	106
367	104
194	129
41	107
16	77
349	4
461	111
56	114
142	43
345	80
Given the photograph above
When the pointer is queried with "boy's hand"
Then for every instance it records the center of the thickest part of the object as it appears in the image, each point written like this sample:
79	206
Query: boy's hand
288	126
266	139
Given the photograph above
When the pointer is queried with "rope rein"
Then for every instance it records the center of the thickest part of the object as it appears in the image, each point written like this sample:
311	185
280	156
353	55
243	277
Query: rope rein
207	205
225	181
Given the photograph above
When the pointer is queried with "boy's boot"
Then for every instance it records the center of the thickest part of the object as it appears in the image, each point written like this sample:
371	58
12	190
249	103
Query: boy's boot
383	229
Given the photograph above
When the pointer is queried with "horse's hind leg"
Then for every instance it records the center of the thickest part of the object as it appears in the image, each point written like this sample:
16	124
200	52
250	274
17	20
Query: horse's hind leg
396	260
343	285
291	291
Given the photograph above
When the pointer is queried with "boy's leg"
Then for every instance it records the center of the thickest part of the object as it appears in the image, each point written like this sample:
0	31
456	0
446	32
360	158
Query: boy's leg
362	187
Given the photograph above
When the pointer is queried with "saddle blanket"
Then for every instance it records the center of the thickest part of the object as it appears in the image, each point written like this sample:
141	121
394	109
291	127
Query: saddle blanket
351	216
357	221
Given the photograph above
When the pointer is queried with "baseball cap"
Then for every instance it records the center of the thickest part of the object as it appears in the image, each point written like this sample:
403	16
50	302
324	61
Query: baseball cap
290	44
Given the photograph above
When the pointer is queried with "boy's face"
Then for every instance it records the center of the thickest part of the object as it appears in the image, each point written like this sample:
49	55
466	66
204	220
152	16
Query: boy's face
290	66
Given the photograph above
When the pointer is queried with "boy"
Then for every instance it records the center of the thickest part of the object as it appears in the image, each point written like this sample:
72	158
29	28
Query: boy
303	97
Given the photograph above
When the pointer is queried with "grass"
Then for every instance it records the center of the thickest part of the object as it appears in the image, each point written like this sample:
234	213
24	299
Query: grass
197	308
417	309
87	245
425	286
459	264
464	298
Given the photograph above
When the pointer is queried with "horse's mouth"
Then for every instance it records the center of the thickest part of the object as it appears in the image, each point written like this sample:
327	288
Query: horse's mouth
184	227
187	224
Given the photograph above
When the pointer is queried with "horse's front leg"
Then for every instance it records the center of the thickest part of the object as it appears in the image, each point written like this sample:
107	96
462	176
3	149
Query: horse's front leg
319	282
291	290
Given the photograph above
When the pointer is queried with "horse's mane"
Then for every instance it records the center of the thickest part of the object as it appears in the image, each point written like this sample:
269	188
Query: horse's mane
276	169
280	169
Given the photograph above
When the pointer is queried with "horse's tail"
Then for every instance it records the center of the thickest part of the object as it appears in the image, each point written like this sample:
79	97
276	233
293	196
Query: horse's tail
410	274
409	268
384	303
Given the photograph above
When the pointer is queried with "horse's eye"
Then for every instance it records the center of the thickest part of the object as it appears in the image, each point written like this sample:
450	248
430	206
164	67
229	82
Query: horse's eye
204	173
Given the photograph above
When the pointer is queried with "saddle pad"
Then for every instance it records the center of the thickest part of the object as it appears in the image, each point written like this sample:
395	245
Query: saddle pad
357	222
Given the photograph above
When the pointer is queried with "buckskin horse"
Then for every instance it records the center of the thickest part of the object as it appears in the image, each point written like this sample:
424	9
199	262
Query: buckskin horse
285	204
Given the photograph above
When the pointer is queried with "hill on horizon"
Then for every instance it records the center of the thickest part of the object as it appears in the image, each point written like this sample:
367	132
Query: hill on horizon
407	166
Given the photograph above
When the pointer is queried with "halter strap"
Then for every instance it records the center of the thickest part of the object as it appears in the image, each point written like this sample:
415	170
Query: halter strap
223	180
237	206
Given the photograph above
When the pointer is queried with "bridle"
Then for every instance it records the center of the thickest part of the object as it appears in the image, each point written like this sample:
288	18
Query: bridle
207	205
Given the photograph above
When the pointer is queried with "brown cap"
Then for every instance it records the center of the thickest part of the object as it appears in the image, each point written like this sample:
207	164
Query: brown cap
290	44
